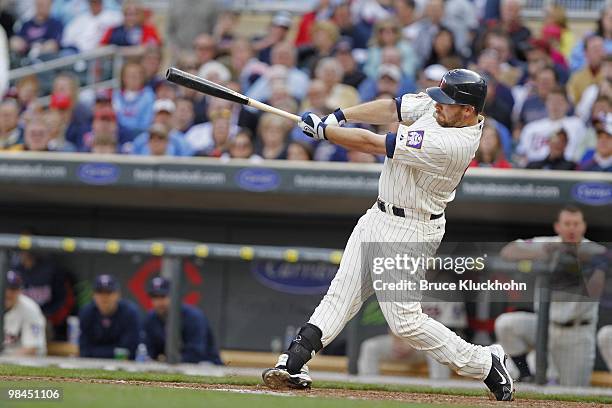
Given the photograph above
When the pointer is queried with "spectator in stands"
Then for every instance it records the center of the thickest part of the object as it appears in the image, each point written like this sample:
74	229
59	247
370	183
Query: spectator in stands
283	55
272	137
222	134
601	159
391	56
534	107
4	63
183	118
104	144
554	27
10	131
197	339
36	137
39	37
165	89
110	326
133	102
556	156
443	51
389	77
316	98
135	31
201	137
24	323
499	102
322	11
510	68
57	123
75	115
49	286
600	90
224	30
340	95
534	140
490	152
370	12
427	27
186	20
243	65
241	147
277	34
387	33
462	20
342	18
604	30
151	62
300	150
28	89
67	11
104	130
408	16
592	73
572	323
204	48
324	37
353	76
86	30
511	22
149	143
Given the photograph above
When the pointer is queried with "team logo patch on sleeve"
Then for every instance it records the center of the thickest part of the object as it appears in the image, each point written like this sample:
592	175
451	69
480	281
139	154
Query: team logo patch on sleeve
415	139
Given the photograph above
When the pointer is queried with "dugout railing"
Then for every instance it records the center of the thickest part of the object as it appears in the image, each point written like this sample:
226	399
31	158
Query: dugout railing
172	252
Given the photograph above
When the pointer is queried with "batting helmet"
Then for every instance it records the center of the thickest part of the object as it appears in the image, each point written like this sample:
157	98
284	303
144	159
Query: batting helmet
460	87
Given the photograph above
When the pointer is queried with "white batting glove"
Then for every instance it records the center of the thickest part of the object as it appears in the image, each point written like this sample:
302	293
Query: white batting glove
336	118
312	126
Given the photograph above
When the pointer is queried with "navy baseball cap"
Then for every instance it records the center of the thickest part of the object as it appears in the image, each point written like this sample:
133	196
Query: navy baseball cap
159	286
105	283
13	280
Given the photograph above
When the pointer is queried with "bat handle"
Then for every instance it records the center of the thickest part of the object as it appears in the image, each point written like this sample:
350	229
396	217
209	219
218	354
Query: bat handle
267	108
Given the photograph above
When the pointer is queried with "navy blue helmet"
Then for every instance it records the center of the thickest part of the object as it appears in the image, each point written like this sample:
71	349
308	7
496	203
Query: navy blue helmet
460	87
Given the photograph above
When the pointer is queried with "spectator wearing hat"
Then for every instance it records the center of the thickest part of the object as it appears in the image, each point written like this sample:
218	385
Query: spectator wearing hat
159	140
85	31
277	33
353	76
555	159
104	131
24	323
108	322
601	156
592	73
197	340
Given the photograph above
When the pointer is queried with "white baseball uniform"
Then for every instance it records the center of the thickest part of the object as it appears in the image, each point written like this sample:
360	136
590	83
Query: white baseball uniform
571	332
24	326
425	163
604	342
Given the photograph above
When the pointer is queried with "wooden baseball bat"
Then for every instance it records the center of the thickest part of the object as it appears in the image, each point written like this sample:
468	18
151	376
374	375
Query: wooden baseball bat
213	89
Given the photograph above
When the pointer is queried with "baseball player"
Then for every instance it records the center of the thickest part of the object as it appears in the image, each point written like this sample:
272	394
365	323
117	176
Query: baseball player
24	322
425	161
572	323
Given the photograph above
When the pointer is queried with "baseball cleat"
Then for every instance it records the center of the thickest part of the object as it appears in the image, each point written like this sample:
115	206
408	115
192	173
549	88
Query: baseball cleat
499	380
278	377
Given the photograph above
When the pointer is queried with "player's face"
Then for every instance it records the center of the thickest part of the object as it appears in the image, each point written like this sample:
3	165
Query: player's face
570	226
10	298
450	115
161	304
106	302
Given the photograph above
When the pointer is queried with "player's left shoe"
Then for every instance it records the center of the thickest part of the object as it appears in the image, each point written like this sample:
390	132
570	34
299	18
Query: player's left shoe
278	377
499	380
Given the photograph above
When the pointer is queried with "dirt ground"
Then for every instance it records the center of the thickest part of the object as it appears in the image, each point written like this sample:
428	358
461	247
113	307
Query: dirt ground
330	393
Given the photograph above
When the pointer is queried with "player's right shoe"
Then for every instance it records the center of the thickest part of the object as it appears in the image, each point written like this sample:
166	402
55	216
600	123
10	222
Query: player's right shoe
499	380
278	377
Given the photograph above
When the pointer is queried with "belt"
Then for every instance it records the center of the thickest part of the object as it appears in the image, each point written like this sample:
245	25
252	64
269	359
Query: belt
573	323
400	212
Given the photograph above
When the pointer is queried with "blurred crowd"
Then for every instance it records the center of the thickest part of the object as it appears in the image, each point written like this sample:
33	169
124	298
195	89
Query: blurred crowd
548	104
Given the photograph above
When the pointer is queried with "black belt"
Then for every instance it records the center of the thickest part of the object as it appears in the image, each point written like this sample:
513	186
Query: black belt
573	323
399	212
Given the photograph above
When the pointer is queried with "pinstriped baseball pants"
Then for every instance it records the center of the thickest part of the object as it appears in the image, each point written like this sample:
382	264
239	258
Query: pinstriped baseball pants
353	284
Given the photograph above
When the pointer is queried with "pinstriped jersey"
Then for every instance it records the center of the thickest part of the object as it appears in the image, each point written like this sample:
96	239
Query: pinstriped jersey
425	161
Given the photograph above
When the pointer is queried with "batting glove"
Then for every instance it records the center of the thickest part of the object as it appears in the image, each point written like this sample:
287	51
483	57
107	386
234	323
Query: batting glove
336	118
312	126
